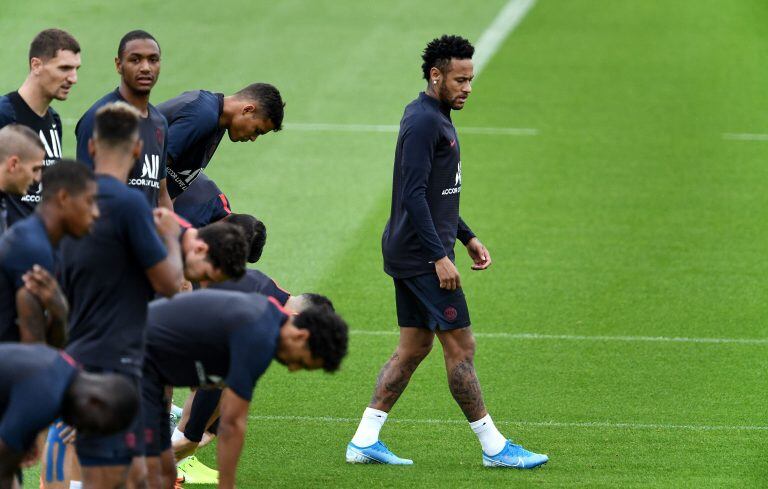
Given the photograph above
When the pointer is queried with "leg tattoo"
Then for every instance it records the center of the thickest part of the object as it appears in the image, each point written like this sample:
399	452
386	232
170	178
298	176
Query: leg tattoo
392	381
465	389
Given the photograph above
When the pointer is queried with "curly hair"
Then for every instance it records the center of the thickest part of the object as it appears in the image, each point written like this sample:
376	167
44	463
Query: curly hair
440	51
132	36
328	335
227	248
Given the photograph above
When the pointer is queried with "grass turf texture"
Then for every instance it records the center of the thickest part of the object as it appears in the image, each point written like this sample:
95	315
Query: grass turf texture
628	214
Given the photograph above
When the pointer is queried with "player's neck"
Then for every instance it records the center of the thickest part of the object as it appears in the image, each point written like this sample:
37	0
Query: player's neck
54	225
227	111
34	96
117	166
138	100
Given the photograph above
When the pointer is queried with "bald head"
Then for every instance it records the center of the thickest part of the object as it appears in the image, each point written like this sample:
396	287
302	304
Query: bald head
21	158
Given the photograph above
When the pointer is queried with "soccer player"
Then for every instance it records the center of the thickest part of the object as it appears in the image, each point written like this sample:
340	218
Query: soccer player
54	58
418	253
109	277
39	384
200	410
212	338
214	253
32	306
197	121
138	64
21	162
203	203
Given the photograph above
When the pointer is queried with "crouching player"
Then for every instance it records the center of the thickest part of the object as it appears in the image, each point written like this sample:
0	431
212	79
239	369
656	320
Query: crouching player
39	384
210	338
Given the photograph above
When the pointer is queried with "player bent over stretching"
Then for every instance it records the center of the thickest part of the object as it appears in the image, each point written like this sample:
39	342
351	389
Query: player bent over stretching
209	338
418	253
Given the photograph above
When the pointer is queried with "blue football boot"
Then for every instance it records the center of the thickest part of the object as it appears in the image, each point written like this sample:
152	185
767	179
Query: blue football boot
516	457
378	453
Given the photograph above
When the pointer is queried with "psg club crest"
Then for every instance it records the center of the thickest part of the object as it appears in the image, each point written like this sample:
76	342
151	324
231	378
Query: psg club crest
450	313
159	134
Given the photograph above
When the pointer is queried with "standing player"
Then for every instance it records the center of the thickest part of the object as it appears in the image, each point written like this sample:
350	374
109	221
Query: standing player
138	64
213	338
54	58
38	384
21	162
197	121
32	306
418	253
110	276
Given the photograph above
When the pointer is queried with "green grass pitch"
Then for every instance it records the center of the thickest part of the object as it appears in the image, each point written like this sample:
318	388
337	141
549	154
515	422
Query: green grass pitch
628	214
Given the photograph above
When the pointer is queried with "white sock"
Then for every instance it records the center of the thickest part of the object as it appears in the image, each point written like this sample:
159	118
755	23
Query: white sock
490	438
75	485
177	436
368	431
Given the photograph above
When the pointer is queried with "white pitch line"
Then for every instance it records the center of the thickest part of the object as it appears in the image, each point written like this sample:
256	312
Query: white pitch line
391	128
543	424
743	136
566	337
492	38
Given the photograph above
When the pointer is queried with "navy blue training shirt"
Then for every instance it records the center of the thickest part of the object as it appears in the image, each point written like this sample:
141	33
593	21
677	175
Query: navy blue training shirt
255	281
213	338
104	278
13	109
202	203
24	245
424	219
33	381
150	168
193	135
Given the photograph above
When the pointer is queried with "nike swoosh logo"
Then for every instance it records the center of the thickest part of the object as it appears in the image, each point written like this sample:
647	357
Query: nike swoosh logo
519	462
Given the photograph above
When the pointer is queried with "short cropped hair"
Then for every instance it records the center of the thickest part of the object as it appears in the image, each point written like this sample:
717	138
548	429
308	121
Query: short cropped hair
47	44
132	36
440	51
19	140
227	247
255	233
318	300
69	175
328	335
270	102
116	123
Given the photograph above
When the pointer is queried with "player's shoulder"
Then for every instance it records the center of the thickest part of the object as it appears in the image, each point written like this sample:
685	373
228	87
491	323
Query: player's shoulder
7	112
157	117
90	114
123	198
27	238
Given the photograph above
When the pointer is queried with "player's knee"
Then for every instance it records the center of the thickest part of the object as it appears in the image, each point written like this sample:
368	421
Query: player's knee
460	350
415	352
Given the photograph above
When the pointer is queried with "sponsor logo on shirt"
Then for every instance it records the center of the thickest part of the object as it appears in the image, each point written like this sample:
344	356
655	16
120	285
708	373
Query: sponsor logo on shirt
457	184
150	170
52	155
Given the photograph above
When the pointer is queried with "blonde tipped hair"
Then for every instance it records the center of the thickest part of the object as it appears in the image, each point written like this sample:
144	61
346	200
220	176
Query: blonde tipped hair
116	123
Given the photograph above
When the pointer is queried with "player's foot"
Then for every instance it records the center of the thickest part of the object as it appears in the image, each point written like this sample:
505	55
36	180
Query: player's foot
195	472
516	457
378	453
175	416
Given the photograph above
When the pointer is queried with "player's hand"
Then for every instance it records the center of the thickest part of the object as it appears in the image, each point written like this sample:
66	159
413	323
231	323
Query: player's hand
479	254
42	285
166	223
68	434
447	273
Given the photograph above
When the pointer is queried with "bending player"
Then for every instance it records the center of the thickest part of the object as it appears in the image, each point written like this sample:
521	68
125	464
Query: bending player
32	306
54	58
197	121
212	338
39	384
138	64
418	253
